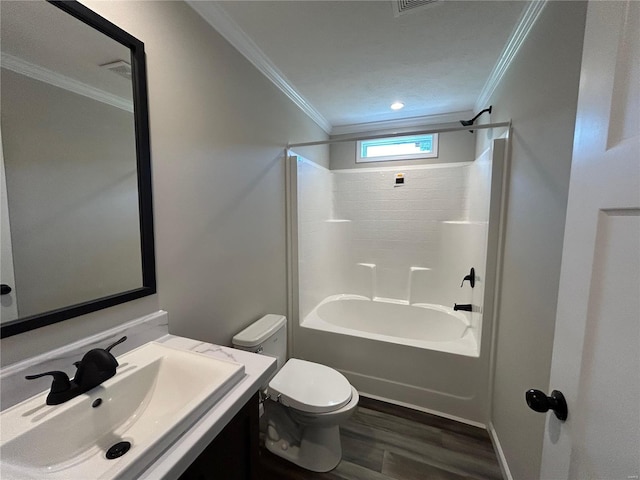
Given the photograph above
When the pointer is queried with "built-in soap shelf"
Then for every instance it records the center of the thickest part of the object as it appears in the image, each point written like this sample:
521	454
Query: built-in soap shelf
420	279
419	288
366	277
463	222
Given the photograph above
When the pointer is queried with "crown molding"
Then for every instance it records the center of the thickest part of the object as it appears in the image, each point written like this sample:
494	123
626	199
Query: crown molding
401	123
31	70
517	38
221	21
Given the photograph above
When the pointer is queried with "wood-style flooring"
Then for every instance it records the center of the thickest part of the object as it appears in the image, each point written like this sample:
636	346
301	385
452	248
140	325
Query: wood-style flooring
386	442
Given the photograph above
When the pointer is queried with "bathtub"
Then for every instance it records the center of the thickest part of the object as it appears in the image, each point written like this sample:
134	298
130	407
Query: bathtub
427	326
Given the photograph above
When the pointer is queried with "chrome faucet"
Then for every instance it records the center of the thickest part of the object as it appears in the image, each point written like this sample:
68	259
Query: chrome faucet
96	366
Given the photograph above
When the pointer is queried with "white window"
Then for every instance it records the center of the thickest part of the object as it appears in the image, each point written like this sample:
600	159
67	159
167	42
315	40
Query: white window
397	148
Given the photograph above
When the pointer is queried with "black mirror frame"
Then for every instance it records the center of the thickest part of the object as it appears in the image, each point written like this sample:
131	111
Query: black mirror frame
143	160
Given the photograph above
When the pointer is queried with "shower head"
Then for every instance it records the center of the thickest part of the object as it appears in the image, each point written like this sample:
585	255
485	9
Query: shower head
466	123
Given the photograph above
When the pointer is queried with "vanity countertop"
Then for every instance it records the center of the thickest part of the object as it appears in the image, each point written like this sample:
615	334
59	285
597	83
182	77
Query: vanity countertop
175	460
151	328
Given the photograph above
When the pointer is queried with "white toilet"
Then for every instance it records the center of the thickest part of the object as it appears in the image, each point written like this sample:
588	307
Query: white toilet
306	401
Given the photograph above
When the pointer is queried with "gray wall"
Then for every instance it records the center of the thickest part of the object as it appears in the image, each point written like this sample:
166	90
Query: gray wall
539	93
218	130
70	163
452	147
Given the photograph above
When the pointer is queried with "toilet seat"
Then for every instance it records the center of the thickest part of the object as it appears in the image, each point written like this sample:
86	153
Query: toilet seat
310	387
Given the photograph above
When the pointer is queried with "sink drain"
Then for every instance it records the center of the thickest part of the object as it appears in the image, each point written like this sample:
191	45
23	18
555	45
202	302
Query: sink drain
117	450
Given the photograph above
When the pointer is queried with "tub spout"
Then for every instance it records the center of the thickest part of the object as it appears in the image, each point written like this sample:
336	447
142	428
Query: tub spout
466	307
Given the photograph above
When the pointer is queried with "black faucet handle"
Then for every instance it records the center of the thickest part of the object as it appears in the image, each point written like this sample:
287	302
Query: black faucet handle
108	349
97	365
471	277
61	382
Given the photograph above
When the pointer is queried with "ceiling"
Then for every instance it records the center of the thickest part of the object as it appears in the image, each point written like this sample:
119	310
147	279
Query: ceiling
43	42
46	43
345	62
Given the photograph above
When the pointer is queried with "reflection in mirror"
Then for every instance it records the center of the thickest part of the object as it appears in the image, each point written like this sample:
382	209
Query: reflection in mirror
77	209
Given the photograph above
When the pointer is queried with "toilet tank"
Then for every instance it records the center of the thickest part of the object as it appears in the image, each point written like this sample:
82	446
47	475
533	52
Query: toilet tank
267	336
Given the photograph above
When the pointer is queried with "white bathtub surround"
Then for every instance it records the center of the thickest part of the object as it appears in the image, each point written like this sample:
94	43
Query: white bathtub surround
463	245
411	248
479	188
421	325
397	228
440	382
315	200
413	244
338	260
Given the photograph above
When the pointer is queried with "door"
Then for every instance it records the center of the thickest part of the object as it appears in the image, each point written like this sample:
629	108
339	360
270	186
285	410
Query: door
8	300
596	354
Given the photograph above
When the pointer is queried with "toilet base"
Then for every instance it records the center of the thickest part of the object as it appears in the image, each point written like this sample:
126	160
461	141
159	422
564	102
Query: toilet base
319	449
311	441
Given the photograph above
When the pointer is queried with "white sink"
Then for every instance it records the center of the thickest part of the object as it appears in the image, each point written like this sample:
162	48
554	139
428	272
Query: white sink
156	394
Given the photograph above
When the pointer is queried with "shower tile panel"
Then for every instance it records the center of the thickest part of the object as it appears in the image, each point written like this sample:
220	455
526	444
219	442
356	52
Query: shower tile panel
397	227
316	265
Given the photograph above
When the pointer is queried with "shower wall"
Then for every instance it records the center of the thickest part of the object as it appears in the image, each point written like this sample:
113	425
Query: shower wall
359	233
316	266
394	227
463	244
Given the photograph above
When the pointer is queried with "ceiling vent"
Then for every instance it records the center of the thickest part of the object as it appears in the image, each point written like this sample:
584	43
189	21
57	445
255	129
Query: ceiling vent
402	7
119	67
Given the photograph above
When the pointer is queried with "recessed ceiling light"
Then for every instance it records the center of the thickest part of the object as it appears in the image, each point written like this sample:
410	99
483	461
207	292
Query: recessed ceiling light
397	105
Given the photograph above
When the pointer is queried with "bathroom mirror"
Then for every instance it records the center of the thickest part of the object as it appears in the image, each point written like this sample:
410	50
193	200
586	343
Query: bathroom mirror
77	226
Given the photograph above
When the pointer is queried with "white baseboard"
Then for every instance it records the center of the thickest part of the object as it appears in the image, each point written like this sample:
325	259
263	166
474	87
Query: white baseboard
425	410
502	460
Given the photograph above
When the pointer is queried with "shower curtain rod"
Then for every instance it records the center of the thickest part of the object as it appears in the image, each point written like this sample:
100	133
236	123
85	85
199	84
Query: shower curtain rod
401	134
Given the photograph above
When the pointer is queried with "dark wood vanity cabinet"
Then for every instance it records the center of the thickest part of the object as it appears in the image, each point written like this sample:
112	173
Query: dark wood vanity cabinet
233	454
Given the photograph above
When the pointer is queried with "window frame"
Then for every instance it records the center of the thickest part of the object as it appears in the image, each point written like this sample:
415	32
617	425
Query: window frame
390	158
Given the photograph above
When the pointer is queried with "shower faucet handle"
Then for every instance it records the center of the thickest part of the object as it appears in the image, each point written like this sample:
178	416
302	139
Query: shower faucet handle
471	277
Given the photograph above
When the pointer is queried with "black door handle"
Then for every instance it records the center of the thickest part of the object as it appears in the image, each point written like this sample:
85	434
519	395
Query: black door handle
5	289
539	402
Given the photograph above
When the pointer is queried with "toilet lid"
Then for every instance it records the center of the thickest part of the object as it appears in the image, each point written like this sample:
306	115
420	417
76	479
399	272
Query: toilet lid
310	387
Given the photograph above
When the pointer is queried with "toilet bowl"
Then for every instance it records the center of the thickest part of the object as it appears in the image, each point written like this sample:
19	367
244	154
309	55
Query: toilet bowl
305	401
